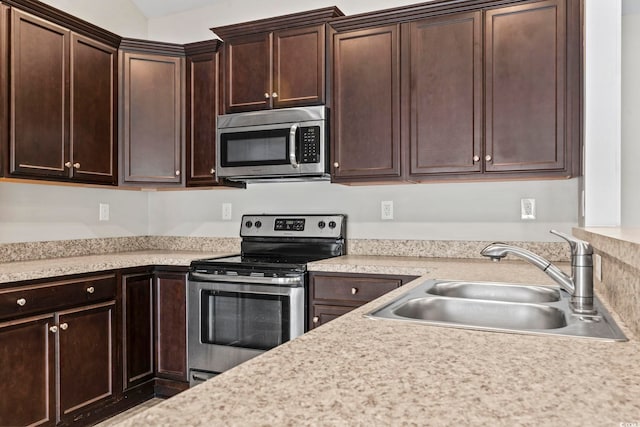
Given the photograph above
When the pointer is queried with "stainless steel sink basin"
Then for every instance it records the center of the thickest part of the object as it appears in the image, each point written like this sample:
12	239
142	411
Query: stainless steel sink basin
502	307
495	291
489	314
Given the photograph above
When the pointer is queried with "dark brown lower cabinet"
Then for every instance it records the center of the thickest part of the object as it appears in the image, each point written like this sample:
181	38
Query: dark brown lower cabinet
171	326
155	332
138	342
84	362
87	357
333	294
27	372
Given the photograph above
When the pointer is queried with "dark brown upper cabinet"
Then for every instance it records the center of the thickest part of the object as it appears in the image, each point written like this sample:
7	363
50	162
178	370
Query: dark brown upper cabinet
276	62
152	113
526	72
62	89
484	93
443	90
202	77
365	116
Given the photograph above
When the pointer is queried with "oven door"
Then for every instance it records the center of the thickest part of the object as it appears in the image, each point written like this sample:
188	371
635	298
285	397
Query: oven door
279	150
230	323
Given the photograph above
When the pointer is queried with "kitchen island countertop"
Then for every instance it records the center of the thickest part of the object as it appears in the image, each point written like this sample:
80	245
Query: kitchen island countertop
359	371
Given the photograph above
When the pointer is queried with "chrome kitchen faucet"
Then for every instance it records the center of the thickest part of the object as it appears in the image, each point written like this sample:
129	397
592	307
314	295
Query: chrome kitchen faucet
579	285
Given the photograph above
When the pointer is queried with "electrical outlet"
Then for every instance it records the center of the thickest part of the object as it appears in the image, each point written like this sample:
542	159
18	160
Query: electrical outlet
528	208
226	211
104	212
386	209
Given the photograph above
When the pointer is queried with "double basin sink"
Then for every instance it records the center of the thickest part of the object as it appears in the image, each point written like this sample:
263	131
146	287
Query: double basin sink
503	307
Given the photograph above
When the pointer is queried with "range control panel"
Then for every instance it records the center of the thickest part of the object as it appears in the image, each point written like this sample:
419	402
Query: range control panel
317	225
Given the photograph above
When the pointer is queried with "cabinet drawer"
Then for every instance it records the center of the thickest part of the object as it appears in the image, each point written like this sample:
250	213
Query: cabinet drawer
55	295
321	314
354	290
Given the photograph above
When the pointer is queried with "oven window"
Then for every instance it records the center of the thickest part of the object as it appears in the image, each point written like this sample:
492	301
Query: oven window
246	320
269	147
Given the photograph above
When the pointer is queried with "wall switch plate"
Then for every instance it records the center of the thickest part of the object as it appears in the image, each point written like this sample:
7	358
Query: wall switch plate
226	211
528	208
597	267
386	209
104	212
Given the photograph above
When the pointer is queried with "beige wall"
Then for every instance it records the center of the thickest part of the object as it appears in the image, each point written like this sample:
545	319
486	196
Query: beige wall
631	116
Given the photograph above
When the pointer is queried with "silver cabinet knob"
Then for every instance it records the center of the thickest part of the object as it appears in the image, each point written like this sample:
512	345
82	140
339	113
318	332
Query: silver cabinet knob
476	158
64	326
316	319
91	289
487	158
53	329
354	291
266	95
67	164
21	302
212	171
177	173
274	95
76	165
336	165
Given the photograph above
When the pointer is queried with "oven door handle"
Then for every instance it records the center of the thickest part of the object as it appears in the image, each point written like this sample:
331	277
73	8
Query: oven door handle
286	281
292	146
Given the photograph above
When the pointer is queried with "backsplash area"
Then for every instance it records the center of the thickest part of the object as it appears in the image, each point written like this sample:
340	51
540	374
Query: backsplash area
11	252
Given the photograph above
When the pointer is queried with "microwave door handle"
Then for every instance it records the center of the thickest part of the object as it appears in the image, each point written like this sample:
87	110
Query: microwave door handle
292	146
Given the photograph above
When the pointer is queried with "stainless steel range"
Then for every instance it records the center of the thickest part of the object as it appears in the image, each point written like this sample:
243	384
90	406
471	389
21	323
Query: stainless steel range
241	306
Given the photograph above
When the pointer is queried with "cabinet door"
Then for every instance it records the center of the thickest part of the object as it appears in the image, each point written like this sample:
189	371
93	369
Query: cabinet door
171	330
525	64
152	118
27	372
298	67
39	93
93	133
87	356
247	78
202	110
138	341
366	112
445	94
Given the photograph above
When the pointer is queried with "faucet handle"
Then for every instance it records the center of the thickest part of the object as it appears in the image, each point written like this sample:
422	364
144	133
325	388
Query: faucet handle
578	247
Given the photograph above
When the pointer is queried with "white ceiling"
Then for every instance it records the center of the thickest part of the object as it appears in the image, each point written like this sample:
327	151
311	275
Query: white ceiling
155	8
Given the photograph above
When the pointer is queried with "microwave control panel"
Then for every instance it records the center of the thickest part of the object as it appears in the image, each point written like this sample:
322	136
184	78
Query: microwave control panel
310	144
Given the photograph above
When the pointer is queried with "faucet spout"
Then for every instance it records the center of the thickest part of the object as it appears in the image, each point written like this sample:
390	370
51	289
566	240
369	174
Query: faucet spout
497	251
579	285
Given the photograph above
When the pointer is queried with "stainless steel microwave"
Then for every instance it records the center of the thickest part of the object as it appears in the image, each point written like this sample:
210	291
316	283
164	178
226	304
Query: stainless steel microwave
282	144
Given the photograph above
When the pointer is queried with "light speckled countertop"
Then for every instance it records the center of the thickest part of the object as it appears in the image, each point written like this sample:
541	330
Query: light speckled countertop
364	372
38	269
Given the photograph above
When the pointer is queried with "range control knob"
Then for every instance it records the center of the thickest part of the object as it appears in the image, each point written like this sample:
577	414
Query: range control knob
258	224
321	224
332	224
248	224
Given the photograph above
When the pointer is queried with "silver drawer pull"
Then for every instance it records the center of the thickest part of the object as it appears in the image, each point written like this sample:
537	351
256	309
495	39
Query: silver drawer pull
53	329
354	291
316	319
21	302
64	326
91	289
